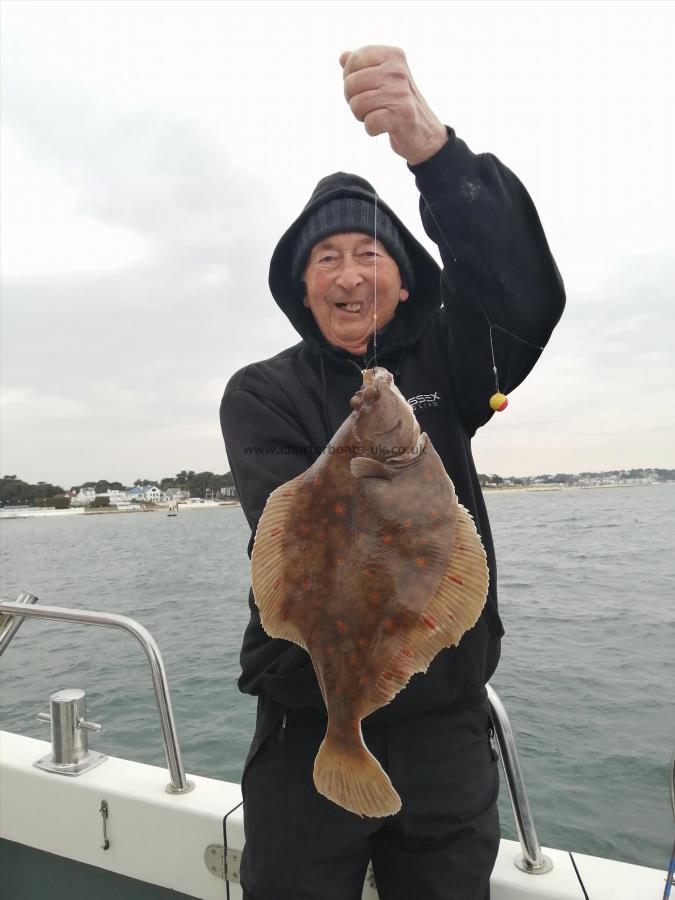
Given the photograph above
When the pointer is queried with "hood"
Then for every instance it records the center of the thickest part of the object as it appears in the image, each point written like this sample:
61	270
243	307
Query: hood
411	317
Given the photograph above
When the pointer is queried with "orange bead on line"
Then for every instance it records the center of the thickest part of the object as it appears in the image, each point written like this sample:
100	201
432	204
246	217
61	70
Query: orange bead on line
499	402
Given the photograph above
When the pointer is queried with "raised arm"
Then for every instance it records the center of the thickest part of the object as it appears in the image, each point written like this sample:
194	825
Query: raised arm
501	287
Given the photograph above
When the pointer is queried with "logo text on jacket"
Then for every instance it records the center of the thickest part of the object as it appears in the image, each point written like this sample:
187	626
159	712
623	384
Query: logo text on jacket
422	401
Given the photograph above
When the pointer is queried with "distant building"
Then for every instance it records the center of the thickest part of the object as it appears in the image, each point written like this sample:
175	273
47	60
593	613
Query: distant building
117	498
175	493
83	497
148	493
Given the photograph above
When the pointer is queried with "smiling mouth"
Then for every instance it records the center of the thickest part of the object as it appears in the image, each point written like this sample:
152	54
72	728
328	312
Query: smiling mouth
350	307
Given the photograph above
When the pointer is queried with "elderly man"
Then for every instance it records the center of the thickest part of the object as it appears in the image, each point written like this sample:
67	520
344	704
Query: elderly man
442	335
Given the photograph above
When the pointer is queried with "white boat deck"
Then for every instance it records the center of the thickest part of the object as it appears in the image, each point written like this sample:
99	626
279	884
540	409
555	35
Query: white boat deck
161	838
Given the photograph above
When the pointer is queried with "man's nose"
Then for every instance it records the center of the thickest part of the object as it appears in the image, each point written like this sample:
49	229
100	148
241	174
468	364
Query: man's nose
349	275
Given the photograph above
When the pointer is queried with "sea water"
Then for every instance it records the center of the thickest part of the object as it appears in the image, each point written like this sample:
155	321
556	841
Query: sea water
587	598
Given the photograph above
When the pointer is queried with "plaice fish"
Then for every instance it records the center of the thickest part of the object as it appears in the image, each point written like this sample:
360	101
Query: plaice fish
369	563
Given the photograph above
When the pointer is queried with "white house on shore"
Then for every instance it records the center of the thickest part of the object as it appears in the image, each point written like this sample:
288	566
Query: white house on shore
148	493
84	497
117	498
176	493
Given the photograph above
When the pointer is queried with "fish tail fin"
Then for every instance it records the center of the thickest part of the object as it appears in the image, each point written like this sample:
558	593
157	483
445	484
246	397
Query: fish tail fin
351	777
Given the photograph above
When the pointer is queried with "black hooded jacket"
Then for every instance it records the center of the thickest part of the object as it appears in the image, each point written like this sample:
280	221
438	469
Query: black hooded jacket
277	415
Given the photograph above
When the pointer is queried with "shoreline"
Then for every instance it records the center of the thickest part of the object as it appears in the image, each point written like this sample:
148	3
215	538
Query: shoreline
51	513
539	488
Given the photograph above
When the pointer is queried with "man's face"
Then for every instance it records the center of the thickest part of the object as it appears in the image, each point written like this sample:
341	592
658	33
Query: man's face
340	281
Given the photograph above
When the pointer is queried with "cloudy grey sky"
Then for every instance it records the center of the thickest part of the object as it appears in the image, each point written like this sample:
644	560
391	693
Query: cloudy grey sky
152	154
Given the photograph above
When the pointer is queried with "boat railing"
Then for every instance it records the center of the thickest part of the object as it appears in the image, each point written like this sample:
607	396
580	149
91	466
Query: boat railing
23	608
532	861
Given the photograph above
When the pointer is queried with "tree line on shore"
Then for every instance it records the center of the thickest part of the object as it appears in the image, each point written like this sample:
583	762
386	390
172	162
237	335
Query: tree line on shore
16	492
580	477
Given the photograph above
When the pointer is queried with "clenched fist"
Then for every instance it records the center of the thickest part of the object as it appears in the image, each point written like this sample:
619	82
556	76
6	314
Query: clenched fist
382	94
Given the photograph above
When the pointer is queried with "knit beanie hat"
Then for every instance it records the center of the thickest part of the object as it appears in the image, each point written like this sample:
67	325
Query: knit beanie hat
344	214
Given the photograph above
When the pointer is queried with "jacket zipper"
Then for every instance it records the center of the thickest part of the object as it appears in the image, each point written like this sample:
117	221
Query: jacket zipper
281	736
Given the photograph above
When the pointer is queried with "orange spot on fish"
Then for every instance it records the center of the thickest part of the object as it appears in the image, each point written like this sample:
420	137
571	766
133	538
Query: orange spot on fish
422	562
434	514
276	582
303	528
306	584
340	509
375	596
428	477
462	547
330	649
361	642
389	626
275	531
317	481
339	559
429	622
406	651
407	523
353	659
341	627
285	611
388	539
456	578
388	675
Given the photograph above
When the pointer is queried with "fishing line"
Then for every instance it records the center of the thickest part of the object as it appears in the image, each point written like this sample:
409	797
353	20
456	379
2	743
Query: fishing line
356	366
375	279
498	401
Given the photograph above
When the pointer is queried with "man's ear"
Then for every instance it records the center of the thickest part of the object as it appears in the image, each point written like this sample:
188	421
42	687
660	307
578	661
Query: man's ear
403	295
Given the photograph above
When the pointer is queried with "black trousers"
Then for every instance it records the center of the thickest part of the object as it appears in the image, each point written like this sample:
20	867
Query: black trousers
442	845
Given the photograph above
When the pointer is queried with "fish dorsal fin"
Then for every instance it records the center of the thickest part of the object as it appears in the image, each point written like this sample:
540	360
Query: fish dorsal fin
453	610
365	467
268	565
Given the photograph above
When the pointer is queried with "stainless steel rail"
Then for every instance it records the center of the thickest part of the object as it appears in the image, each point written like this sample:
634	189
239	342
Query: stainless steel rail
9	625
533	860
179	783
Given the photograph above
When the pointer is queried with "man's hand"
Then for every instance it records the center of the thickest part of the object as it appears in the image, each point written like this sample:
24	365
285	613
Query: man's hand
382	94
